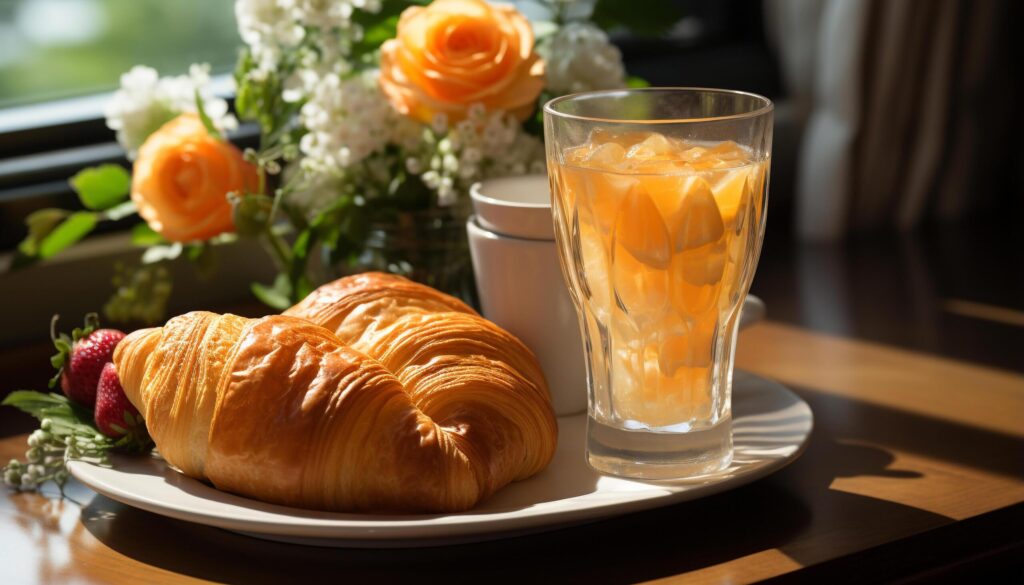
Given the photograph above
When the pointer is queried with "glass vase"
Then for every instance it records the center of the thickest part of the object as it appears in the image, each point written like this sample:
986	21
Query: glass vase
428	246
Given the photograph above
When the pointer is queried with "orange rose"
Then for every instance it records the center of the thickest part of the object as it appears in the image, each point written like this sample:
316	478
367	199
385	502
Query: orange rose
182	177
454	53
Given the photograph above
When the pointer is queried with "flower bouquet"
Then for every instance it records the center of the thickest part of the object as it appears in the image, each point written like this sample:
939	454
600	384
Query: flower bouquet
368	121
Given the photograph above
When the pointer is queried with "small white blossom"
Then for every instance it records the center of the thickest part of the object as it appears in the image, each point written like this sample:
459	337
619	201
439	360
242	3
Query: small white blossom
446	194
348	120
485	144
266	26
327	14
146	101
413	165
450	163
580	57
272	27
432	179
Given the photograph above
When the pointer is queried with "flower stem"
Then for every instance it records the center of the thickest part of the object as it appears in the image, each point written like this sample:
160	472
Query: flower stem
278	250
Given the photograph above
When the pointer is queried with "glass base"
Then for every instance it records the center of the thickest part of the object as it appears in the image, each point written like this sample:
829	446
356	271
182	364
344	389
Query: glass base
644	454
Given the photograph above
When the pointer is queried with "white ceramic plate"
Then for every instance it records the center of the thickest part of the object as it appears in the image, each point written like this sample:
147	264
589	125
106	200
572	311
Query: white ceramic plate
770	429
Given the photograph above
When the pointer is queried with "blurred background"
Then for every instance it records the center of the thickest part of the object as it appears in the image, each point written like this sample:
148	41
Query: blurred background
897	181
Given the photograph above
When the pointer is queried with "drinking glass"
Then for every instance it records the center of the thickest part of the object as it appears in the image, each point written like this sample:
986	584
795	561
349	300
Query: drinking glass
659	198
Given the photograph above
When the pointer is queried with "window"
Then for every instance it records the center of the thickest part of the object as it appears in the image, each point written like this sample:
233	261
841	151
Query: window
59	59
54	49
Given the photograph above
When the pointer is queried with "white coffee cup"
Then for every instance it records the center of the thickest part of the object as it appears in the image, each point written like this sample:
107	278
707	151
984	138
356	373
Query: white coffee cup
519	279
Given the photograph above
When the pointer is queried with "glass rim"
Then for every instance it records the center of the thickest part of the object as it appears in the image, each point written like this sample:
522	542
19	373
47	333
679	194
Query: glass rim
766	107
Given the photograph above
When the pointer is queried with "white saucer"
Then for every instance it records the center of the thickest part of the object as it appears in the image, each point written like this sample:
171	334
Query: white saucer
770	429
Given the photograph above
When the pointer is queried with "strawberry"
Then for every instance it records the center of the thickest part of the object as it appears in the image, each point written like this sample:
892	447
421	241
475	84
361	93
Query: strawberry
80	359
115	415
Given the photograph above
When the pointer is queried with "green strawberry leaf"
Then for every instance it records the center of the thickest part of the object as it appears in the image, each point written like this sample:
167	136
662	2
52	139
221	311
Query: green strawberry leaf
65	344
101	188
129	419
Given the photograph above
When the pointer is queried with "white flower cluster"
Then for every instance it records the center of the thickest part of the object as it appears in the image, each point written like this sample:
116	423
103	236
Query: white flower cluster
580	57
327	14
270	27
348	120
146	101
485	144
267	28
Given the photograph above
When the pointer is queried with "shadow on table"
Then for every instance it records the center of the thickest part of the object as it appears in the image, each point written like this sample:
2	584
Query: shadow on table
794	511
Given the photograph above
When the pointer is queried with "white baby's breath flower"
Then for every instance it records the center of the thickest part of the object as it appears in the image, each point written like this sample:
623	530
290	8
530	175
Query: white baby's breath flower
485	144
580	57
348	121
413	165
272	27
267	27
446	194
432	179
327	14
146	101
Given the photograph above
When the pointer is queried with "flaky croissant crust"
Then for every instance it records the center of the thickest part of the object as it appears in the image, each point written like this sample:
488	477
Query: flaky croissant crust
373	394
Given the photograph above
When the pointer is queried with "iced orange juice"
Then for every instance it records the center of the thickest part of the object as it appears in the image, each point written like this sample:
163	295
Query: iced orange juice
661	230
658	197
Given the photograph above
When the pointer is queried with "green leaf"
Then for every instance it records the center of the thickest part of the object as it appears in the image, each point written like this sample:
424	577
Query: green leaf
31	402
652	19
144	236
382	31
120	211
71	230
277	295
379	26
100	188
50	405
40	224
207	122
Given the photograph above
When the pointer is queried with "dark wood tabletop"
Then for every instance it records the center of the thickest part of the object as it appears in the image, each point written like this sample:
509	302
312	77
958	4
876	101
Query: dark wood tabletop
909	350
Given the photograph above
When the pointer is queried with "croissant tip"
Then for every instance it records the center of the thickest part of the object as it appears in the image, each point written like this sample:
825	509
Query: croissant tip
128	341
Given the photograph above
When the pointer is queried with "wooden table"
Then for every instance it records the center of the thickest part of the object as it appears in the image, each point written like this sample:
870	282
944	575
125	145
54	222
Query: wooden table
905	445
915	471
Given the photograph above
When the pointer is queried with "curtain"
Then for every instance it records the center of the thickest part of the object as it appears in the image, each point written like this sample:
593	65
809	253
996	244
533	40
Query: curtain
907	108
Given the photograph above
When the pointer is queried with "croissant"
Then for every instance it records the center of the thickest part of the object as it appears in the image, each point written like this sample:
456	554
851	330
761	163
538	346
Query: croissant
373	394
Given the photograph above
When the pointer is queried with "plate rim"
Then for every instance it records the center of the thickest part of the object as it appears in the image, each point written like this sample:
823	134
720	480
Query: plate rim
306	525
